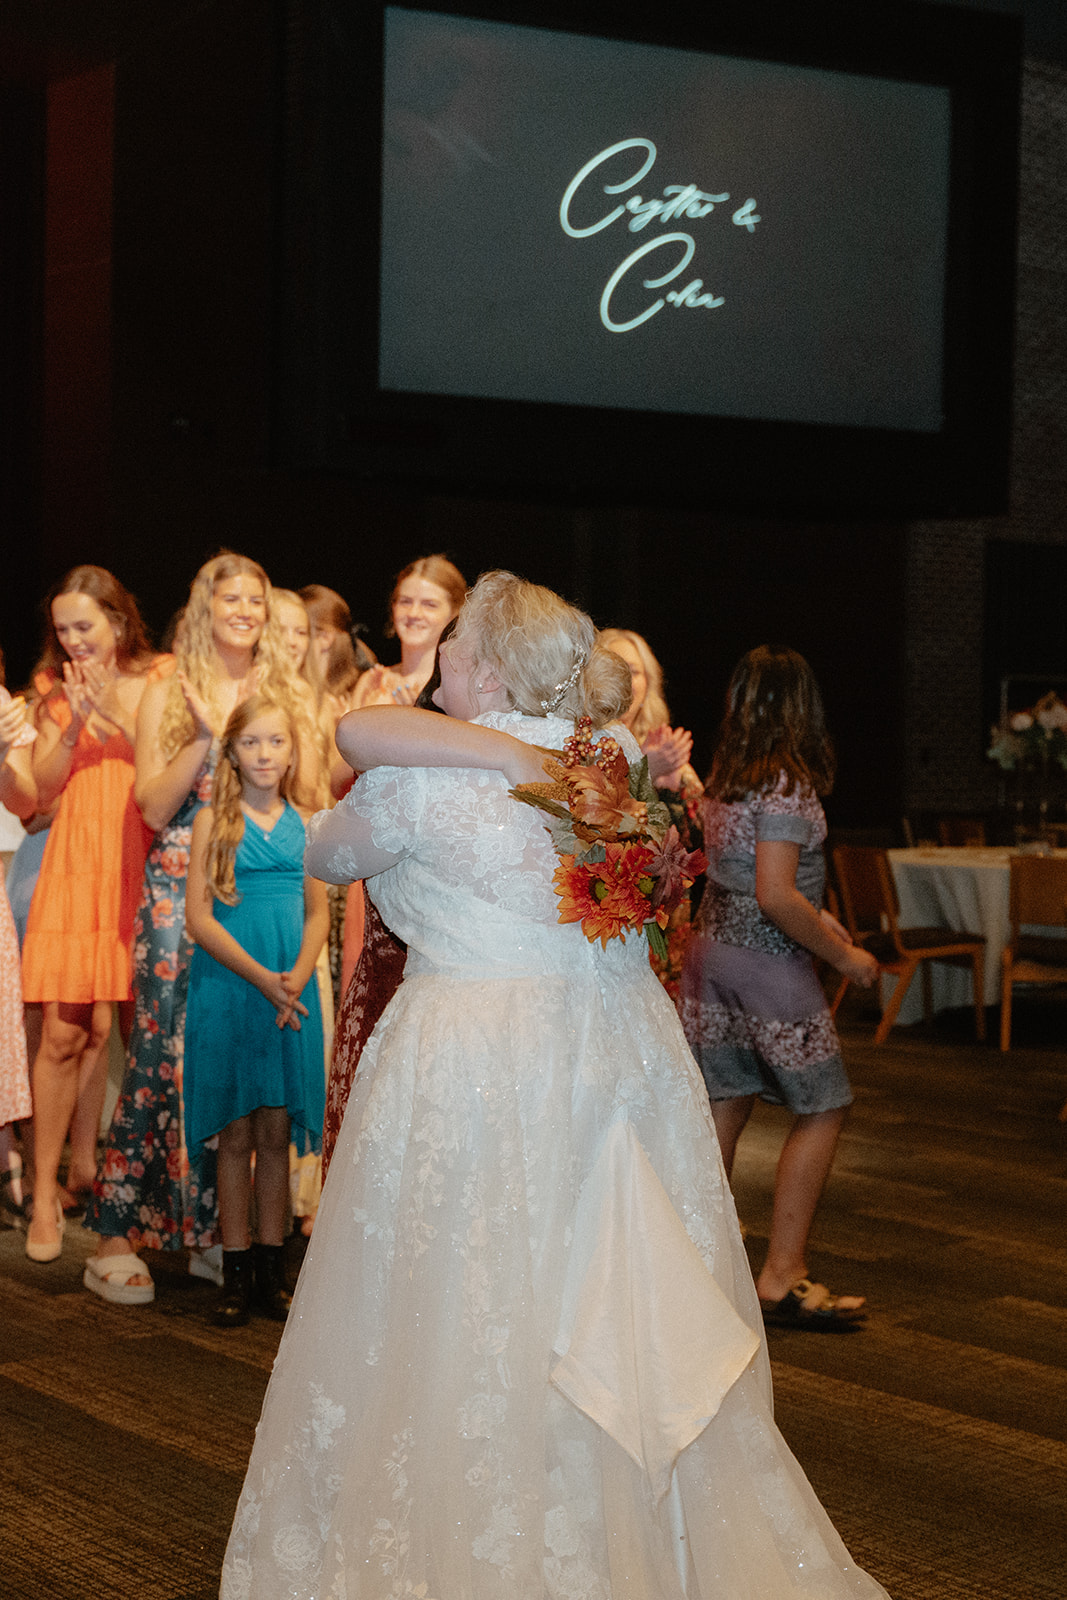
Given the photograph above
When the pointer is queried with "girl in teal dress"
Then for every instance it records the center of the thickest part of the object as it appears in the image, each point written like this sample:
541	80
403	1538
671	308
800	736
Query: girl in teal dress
253	1032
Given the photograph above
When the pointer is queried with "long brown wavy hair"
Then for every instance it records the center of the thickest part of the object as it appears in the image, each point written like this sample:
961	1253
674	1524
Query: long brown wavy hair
227	818
133	653
774	723
349	657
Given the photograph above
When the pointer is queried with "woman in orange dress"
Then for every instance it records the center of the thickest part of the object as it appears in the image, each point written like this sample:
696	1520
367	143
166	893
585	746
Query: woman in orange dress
76	957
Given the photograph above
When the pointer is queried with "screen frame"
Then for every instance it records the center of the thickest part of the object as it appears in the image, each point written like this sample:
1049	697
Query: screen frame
331	415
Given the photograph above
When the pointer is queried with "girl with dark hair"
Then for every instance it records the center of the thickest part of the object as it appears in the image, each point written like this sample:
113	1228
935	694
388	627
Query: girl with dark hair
94	670
751	1004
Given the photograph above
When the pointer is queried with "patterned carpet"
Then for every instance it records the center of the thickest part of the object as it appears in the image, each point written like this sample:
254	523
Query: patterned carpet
937	1437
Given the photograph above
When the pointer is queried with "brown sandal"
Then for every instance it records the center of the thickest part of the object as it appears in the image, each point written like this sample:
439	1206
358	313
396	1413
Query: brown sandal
811	1306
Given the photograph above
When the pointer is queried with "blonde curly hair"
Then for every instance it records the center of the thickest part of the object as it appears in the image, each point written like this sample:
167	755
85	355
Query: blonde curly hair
652	712
194	651
546	653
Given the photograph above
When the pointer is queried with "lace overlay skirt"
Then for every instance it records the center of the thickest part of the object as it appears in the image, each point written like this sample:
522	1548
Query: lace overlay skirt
413	1445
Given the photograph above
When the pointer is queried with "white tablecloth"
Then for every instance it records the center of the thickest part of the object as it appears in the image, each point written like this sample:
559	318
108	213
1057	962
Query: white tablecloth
965	889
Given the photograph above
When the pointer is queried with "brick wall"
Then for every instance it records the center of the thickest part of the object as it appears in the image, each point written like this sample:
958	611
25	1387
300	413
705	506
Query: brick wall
945	768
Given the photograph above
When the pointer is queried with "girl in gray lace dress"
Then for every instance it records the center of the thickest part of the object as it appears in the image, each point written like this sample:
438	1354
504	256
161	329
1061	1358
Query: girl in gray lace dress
751	1004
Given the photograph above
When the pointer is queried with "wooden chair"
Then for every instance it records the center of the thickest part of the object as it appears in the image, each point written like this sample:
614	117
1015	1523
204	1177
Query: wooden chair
869	897
961	831
1038	892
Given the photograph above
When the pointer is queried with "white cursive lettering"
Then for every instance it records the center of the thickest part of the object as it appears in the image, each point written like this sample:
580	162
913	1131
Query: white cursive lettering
650	283
680	201
746	217
690	296
615	188
689	201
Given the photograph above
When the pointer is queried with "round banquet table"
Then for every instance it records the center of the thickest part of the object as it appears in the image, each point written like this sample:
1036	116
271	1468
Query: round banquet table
967	889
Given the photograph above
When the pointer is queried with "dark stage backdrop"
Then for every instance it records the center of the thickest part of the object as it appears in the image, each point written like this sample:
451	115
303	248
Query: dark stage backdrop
195	313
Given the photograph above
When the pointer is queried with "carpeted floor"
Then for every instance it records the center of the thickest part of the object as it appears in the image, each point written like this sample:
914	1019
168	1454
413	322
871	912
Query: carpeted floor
937	1436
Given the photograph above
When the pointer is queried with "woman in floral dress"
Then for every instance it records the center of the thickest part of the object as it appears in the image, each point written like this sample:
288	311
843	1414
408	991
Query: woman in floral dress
151	1191
18	793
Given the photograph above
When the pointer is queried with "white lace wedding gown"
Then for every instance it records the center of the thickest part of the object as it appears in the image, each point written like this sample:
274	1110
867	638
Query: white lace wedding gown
525	1358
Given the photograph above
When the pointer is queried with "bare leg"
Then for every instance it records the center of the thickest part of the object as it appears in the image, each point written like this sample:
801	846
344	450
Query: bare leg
235	1183
271	1132
118	1244
92	1087
730	1118
33	1021
67	1033
803	1168
11	1166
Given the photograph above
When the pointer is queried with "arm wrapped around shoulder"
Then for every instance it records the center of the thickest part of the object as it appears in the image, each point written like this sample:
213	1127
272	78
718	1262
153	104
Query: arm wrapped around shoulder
340	847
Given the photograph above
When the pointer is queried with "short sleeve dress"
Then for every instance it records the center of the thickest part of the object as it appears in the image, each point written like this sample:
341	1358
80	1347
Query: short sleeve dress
236	1057
751	1003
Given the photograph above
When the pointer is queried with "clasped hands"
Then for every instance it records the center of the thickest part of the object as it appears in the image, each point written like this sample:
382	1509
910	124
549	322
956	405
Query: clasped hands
284	996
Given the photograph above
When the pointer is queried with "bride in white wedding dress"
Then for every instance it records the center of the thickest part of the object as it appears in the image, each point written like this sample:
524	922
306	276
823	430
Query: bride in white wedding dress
525	1359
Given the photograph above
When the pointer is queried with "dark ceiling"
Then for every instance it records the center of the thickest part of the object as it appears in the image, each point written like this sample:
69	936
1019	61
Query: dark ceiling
55	38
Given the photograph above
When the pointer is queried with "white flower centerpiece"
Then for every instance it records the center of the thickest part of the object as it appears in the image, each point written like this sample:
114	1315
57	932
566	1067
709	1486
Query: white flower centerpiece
1032	744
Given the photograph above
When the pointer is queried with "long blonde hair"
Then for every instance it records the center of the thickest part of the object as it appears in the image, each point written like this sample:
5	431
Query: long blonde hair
227	818
194	651
652	712
545	652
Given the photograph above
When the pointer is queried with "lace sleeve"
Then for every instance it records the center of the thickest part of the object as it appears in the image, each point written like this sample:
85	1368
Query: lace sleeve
369	830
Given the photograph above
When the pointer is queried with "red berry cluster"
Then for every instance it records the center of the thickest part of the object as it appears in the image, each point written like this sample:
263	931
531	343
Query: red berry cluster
581	750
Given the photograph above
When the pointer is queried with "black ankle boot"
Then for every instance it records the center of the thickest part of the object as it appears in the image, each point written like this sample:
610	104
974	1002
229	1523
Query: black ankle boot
232	1310
271	1295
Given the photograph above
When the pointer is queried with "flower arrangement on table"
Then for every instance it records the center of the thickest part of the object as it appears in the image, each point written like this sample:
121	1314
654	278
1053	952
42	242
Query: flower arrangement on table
622	865
1033	738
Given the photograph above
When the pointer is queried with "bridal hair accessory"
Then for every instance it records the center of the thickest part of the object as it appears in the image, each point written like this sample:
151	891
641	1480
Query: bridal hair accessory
622	863
555	699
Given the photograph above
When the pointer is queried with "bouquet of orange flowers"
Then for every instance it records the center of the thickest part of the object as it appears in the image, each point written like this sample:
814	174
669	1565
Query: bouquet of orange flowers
622	864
